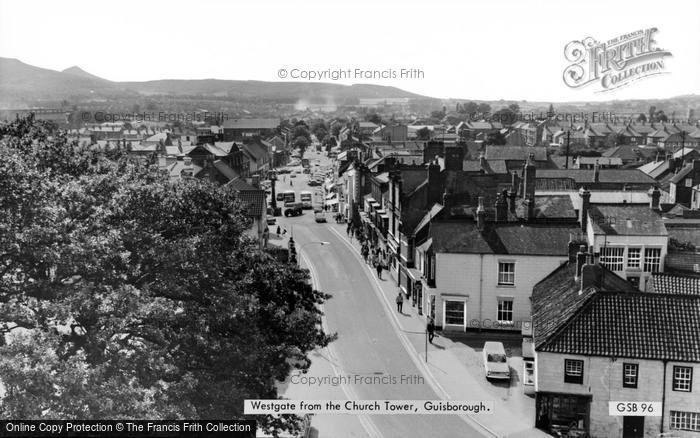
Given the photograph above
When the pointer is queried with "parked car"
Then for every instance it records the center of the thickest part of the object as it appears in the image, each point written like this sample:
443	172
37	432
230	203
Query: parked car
495	361
293	210
307	170
279	196
320	216
314	183
271	220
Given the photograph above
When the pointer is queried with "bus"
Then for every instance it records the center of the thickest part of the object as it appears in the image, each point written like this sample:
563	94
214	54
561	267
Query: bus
289	197
306	199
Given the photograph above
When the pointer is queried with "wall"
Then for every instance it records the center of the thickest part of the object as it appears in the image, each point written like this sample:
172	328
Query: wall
602	378
459	275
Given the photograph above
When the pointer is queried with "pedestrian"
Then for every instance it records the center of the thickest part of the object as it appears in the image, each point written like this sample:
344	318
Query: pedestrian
279	230
365	252
431	329
379	270
399	302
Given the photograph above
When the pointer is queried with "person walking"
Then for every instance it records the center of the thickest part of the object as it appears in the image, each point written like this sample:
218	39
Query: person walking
365	252
379	269
279	230
399	302
431	329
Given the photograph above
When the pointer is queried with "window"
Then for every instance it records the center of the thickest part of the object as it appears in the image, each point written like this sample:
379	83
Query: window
573	371
682	379
689	182
505	310
506	273
612	258
652	259
634	257
630	372
454	313
685	421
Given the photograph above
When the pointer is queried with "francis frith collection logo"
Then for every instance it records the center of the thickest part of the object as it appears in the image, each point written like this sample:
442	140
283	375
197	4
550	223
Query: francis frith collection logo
614	63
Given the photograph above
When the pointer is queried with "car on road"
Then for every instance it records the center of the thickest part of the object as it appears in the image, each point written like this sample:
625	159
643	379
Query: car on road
320	216
280	196
293	175
313	183
495	361
293	210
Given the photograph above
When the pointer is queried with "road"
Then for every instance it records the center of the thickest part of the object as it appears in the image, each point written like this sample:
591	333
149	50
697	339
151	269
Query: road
368	343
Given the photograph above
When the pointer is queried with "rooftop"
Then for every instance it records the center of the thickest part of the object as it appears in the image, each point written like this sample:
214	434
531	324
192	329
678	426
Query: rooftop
613	319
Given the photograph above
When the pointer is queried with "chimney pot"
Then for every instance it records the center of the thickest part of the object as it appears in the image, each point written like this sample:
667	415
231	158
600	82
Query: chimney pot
480	214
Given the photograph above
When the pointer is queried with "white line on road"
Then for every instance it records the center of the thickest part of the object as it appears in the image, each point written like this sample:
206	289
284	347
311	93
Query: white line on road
365	421
412	352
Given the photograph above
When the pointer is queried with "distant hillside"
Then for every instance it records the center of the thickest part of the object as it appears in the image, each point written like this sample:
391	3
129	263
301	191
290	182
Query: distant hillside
19	80
77	71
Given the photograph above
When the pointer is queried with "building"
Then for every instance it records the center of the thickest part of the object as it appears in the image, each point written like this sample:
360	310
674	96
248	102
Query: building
682	183
243	129
598	341
629	239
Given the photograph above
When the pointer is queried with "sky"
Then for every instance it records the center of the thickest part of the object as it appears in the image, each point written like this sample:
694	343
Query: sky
486	50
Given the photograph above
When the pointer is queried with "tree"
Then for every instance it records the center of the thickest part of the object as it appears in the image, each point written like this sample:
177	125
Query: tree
301	143
483	108
505	116
423	134
131	296
642	118
374	118
496	139
437	115
514	107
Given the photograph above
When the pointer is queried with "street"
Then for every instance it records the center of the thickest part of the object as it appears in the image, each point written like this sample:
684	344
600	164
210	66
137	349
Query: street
369	343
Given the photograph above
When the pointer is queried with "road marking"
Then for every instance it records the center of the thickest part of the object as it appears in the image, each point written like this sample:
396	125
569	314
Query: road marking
365	421
411	350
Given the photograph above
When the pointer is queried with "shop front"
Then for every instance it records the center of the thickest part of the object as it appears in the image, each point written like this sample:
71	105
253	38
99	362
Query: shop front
559	413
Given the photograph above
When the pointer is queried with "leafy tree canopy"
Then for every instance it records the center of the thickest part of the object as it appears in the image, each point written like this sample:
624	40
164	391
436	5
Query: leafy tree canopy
126	295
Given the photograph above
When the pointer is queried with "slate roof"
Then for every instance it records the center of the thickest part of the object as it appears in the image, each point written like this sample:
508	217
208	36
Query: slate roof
604	175
515	153
551	207
251	124
629	220
664	283
255	150
463	237
626	152
225	170
678	177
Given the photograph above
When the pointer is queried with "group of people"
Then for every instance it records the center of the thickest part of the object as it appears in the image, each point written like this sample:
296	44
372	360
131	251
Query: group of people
373	256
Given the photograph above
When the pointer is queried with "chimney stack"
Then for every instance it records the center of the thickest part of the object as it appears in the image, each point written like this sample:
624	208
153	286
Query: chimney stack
581	259
480	214
591	275
162	161
574	246
654	198
482	161
514	182
501	207
596	172
447	205
529	176
585	206
434	184
512	196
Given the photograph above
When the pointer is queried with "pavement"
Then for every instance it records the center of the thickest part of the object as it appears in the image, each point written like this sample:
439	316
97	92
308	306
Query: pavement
375	341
